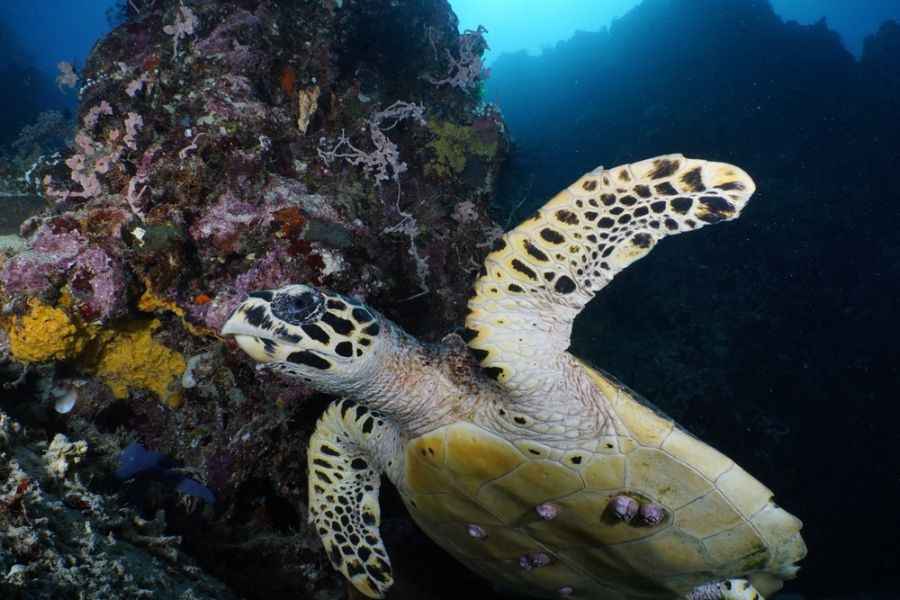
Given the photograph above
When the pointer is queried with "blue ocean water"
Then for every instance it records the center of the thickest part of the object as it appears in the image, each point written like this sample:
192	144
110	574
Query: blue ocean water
775	337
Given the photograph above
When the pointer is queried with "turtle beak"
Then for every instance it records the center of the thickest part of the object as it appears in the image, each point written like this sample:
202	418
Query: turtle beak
247	325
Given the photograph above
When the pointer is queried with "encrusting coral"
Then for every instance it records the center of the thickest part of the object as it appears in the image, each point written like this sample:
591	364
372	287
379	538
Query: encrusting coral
128	357
43	334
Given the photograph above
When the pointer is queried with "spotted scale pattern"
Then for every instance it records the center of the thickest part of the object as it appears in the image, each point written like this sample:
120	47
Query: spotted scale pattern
543	272
344	478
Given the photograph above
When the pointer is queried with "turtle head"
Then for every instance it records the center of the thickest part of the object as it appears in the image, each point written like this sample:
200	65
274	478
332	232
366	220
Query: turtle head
321	338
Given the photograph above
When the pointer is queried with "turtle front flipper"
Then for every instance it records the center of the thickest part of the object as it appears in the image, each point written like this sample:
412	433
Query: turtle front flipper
543	272
343	495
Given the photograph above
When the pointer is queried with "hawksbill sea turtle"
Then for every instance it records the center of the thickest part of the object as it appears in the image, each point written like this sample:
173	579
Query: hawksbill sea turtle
541	473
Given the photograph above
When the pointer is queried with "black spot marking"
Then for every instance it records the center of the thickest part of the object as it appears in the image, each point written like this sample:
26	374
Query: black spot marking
480	354
499	244
642	240
728	185
590	185
336	305
354	567
368	518
322	463
624	176
576	460
524	269
345	406
671	224
520	420
727	585
316	333
549	276
363	553
605	223
344	349
368	425
305	357
340	326
665	189
717	209
616	210
534	252
681	204
514	288
552	236
534	451
359	464
362	315
564	285
323	476
642	190
591	238
269	346
365	342
282	333
663	167
379	570
626	218
258	316
640	211
334	554
267	295
329	450
361	411
469	334
608	199
494	373
373	330
693	180
567	216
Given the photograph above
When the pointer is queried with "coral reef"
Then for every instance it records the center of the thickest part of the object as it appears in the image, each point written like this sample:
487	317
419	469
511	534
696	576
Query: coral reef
224	147
60	539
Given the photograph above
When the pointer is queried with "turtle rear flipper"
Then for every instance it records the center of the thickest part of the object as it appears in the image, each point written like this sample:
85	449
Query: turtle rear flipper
543	272
726	589
343	495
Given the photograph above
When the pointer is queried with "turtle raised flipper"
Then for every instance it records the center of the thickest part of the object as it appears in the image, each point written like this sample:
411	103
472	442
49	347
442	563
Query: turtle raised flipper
543	272
343	495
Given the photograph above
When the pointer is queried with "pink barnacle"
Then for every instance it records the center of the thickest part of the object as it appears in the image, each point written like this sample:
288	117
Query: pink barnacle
652	513
538	559
476	532
546	511
624	507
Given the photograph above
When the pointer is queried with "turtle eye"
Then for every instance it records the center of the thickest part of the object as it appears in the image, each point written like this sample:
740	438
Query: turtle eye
297	308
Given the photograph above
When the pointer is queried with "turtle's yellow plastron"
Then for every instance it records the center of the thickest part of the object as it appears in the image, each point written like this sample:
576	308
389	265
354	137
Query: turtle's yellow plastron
539	472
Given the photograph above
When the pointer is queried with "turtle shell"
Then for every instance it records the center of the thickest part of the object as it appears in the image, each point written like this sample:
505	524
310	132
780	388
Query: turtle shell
487	500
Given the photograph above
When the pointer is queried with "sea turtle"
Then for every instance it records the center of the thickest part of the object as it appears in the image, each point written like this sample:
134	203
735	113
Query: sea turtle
539	472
